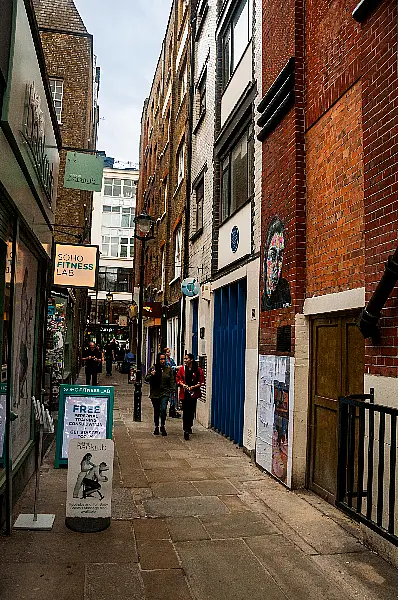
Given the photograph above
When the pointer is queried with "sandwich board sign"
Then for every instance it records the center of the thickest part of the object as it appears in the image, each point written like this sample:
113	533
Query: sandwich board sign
89	488
85	413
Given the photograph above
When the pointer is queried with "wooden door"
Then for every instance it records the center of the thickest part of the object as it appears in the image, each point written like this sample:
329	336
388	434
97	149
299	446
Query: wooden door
338	359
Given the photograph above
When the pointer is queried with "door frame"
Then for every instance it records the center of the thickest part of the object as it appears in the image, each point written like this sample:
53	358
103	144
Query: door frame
347	315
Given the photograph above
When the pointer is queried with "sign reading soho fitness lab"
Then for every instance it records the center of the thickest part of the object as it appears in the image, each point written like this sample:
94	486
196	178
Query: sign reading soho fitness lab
75	266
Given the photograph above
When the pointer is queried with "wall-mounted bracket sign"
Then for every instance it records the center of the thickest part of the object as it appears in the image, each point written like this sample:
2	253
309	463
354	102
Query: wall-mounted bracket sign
85	413
83	171
76	265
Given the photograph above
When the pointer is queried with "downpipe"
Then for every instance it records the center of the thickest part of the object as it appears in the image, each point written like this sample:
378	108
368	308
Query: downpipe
369	320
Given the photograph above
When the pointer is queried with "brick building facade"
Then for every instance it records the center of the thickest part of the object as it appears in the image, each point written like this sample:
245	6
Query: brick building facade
164	174
74	80
328	225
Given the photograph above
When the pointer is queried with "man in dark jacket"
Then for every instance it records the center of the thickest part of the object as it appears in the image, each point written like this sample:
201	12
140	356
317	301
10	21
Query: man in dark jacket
92	359
161	380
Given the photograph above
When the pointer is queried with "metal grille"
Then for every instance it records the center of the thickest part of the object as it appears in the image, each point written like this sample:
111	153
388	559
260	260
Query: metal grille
367	467
203	366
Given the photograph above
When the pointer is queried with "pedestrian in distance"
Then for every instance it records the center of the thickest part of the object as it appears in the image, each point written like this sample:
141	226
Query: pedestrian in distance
190	378
92	358
161	380
170	362
109	353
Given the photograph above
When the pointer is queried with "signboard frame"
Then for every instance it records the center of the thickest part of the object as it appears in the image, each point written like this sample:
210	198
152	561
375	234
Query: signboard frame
70	284
81	391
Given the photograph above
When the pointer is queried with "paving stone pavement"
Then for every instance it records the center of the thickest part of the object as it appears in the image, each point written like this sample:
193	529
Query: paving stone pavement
191	521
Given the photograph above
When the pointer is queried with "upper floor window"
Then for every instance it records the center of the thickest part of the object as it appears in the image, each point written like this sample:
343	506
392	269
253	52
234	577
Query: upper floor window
57	90
180	162
119	188
115	245
183	82
200	194
115	279
178	252
237	175
235	38
202	95
118	216
165	194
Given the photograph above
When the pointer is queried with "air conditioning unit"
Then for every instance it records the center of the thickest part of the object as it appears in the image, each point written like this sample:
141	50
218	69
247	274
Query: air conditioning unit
206	292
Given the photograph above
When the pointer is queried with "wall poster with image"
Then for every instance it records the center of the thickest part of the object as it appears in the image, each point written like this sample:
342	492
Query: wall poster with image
26	281
275	416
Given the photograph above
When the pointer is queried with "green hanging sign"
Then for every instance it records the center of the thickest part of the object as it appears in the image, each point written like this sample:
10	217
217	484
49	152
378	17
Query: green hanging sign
83	172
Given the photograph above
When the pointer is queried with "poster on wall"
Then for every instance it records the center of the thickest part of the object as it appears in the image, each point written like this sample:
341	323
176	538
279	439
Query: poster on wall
275	416
276	288
26	276
85	413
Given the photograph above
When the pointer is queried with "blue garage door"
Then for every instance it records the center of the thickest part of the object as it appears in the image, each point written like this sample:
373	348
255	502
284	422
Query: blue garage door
229	349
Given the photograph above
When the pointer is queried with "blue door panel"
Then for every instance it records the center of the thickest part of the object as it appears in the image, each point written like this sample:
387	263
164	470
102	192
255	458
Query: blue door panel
229	347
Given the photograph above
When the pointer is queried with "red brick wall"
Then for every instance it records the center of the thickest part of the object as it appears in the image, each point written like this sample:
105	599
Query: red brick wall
283	187
335	211
380	136
332	53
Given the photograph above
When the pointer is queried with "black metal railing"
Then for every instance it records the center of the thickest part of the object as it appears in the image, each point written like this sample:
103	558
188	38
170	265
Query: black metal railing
367	463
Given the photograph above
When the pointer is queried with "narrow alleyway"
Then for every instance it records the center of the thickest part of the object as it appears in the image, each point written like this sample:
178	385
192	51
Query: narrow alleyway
190	520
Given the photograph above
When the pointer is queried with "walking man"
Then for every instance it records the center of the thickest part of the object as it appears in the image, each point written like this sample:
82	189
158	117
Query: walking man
161	380
92	359
109	357
190	378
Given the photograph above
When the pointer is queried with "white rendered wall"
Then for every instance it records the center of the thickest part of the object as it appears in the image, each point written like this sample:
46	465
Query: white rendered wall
202	156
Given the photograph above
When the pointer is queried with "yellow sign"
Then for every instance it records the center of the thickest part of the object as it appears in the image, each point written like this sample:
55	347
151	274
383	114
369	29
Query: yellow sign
75	266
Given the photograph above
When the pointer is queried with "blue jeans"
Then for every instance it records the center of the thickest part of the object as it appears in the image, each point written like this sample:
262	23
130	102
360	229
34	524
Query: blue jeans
159	410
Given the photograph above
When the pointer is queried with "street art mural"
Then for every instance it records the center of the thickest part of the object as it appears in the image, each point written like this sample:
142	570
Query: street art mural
275	416
276	289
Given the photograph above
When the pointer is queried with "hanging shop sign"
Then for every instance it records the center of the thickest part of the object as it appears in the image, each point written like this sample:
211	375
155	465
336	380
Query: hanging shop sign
76	266
83	171
152	310
85	413
89	487
190	287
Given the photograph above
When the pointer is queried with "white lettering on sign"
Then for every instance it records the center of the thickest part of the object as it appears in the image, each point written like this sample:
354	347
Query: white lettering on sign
85	418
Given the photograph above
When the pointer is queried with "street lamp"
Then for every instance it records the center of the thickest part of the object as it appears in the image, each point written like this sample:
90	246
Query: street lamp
143	223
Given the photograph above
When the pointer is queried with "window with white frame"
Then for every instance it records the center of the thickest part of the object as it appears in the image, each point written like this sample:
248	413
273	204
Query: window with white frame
57	90
180	162
178	252
165	194
118	216
235	38
119	188
237	174
172	337
183	81
117	244
163	267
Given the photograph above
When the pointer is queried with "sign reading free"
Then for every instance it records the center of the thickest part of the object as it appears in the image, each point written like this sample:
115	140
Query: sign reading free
85	413
75	266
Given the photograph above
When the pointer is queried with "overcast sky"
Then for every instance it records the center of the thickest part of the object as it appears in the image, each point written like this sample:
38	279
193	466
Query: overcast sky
127	41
